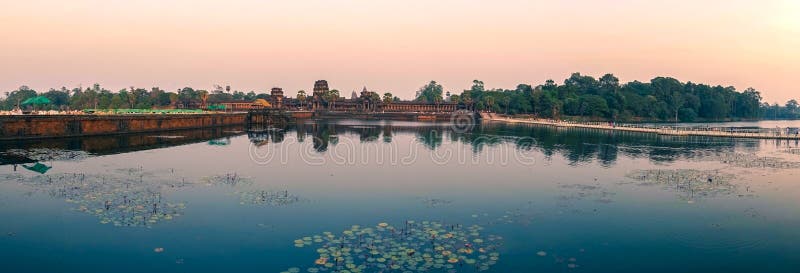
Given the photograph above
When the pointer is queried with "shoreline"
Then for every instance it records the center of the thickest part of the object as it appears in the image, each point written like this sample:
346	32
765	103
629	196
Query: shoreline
642	129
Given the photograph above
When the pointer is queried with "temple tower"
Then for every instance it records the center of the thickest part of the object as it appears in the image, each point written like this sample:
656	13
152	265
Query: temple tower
320	88
277	97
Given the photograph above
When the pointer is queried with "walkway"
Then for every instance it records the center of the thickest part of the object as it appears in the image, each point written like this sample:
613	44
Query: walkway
665	130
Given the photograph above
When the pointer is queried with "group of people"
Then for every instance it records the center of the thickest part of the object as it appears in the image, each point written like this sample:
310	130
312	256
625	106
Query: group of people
789	131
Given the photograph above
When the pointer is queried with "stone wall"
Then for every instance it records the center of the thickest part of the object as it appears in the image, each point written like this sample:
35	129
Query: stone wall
32	127
114	144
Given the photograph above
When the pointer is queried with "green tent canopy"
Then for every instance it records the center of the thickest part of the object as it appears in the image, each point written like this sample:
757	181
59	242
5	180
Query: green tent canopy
37	100
38	167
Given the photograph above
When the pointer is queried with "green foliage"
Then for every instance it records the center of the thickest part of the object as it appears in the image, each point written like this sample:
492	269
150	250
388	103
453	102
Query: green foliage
660	99
96	97
16	97
431	92
687	115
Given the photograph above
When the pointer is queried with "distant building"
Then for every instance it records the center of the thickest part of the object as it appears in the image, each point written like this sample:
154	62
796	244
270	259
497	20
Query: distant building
276	97
320	88
366	101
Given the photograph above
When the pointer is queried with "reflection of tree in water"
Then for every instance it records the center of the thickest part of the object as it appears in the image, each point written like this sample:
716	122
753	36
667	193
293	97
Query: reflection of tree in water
575	144
431	139
584	145
368	134
46	154
387	134
122	199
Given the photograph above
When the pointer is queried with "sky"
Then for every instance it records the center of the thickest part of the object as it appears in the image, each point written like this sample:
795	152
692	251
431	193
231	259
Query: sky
396	46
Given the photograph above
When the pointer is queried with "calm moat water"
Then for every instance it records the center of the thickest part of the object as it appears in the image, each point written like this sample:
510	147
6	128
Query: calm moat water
388	196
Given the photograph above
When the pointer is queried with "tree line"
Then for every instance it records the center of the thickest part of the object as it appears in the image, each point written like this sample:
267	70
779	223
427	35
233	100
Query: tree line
97	97
660	99
582	96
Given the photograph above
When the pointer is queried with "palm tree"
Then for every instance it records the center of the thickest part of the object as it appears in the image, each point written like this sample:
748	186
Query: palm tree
374	98
489	102
455	99
173	99
333	96
466	97
387	97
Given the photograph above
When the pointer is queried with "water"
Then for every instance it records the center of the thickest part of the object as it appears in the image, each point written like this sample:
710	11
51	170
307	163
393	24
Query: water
236	202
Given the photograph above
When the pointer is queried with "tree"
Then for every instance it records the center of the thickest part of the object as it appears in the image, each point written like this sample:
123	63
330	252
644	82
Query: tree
333	96
609	83
507	103
687	115
115	103
188	95
57	98
670	91
174	99
372	100
489	102
466	98
430	92
455	99
792	106
14	98
387	97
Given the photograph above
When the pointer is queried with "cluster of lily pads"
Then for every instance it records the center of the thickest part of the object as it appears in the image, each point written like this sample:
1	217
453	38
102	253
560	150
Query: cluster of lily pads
794	151
584	191
521	216
695	183
751	160
435	202
228	179
268	198
114	199
411	247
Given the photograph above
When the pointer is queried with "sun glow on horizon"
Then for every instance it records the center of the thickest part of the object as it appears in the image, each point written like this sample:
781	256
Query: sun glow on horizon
394	46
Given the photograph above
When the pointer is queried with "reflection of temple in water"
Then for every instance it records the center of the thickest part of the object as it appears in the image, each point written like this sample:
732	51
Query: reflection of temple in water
575	144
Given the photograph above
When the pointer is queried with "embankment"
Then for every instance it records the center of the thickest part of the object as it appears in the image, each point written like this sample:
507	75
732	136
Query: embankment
672	131
57	126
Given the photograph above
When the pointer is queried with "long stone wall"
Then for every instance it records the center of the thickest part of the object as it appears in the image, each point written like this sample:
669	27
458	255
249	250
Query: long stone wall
54	126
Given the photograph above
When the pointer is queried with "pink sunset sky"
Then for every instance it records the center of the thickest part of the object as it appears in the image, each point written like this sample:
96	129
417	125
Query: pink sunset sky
396	46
